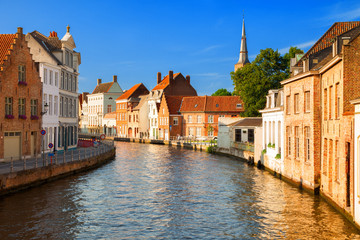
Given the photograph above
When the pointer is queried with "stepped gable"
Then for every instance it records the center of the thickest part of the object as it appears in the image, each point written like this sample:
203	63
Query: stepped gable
325	41
103	87
164	83
173	103
6	41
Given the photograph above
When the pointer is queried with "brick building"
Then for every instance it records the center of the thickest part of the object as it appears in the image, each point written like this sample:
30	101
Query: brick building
171	85
125	105
319	116
170	119
201	113
21	98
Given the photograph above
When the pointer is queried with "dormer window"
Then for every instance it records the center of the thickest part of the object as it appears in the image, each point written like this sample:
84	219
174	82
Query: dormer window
239	105
217	105
196	105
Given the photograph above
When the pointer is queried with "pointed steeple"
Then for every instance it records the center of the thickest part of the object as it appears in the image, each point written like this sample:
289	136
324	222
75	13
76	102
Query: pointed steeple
243	57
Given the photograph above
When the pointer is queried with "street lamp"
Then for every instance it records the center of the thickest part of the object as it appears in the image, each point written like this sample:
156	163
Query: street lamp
46	108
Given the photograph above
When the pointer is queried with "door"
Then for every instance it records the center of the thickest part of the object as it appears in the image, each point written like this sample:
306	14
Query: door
12	145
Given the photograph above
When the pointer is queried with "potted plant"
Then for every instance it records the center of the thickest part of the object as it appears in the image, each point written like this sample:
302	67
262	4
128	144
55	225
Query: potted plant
34	117
278	156
9	116
22	83
22	116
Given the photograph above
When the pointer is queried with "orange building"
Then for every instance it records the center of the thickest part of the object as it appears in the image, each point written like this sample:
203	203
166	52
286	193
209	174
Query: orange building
201	113
170	119
125	104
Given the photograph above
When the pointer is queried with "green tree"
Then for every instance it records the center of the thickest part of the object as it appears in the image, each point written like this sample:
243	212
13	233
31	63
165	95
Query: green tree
253	81
221	92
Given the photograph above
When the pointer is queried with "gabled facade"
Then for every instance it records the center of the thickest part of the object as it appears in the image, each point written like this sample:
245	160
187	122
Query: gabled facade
83	112
170	119
273	125
201	113
20	99
100	102
170	85
59	71
124	110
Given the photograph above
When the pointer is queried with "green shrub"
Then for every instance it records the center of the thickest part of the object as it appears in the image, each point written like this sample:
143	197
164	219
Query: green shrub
269	145
264	151
278	156
210	149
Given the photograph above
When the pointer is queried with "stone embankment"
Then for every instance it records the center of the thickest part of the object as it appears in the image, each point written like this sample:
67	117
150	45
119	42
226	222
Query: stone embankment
17	180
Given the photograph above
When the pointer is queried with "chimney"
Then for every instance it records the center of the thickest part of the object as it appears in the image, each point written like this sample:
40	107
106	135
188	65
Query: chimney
114	78
99	81
19	30
188	79
171	76
158	77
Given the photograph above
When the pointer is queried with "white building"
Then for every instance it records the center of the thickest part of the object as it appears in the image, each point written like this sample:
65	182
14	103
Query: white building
83	112
109	123
154	100
273	125
58	68
357	161
224	133
101	102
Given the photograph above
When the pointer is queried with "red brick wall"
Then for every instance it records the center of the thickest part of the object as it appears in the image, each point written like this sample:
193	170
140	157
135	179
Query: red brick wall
9	88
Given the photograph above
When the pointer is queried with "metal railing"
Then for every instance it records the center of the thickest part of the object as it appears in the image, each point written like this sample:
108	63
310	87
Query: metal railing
245	146
9	165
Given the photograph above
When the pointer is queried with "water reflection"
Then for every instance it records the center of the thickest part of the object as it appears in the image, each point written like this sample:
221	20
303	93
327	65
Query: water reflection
160	192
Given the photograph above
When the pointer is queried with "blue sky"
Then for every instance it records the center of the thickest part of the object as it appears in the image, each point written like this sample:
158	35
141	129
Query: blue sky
201	38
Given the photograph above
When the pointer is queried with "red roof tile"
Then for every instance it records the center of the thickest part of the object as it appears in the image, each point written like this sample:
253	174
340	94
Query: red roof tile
130	92
212	104
325	41
5	44
173	103
165	82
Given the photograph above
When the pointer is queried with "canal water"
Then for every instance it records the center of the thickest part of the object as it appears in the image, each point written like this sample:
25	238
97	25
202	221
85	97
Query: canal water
161	192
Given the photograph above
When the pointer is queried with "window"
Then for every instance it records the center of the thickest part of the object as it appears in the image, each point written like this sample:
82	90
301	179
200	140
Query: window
238	135
297	142
199	118
288	104
307	143
307	101
251	135
45	76
75	84
337	99
191	131
70	108
62	81
22	106
66	81
66	108
56	79
211	131
163	110
8	106
175	121
109	108
325	104
238	105
51	77
44	101
33	107
330	102
189	119
129	118
325	158
198	131
50	105
56	105
61	106
210	118
337	161
296	102
67	58
288	136
22	73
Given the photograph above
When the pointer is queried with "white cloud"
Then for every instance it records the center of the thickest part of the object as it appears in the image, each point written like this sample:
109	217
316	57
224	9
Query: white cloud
207	49
345	16
300	45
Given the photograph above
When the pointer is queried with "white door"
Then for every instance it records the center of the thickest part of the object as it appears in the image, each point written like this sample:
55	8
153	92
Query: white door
12	146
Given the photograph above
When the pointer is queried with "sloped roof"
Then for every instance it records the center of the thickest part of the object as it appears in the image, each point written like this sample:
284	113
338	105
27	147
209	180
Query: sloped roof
5	44
50	44
173	103
165	82
130	92
325	41
110	115
248	122
211	104
103	87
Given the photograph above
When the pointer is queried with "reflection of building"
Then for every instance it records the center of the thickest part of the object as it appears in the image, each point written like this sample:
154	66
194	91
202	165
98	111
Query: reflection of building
171	85
59	70
125	105
100	102
273	124
170	119
201	113
142	110
20	98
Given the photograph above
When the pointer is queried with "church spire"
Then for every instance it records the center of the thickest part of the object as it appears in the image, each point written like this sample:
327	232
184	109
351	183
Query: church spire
243	58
